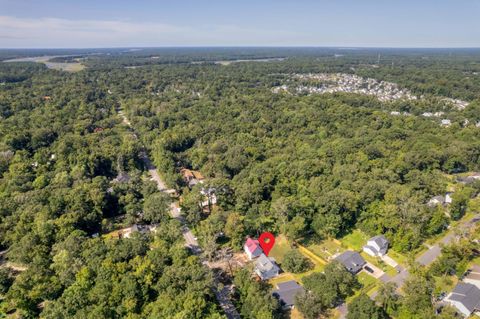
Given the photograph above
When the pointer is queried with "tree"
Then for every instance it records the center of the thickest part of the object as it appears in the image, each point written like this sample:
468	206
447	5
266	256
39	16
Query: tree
209	231
387	297
234	229
6	280
458	207
192	205
255	297
155	208
295	262
362	307
295	228
449	312
333	285
418	293
310	305
454	258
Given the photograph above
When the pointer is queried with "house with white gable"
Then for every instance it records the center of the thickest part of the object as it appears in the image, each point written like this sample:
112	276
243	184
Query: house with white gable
376	246
466	298
448	198
252	248
473	276
441	200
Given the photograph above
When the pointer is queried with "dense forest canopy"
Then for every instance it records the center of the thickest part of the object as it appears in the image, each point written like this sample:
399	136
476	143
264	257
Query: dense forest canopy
303	165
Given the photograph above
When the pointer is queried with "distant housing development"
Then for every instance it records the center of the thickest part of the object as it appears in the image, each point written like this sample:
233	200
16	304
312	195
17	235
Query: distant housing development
322	83
349	83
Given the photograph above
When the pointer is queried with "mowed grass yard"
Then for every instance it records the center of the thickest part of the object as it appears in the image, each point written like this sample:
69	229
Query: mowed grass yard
282	247
355	240
369	286
327	249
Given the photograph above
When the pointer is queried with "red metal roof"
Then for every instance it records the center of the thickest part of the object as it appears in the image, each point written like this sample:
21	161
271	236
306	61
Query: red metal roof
252	244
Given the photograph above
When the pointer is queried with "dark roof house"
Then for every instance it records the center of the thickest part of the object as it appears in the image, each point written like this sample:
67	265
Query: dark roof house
352	261
286	292
469	179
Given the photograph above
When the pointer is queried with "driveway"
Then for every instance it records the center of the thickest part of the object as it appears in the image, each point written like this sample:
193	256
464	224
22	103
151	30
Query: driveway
389	261
377	272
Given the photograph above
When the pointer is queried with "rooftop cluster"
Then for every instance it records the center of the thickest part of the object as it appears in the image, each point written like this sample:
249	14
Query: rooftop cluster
349	83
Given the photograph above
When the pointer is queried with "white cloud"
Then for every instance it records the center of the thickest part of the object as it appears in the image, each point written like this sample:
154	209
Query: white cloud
54	32
48	32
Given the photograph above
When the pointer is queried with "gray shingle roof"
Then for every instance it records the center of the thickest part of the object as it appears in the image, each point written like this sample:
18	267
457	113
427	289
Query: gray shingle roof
286	292
466	294
351	260
380	240
265	265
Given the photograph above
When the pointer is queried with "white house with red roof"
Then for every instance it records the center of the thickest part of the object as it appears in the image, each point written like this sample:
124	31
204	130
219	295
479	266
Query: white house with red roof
252	248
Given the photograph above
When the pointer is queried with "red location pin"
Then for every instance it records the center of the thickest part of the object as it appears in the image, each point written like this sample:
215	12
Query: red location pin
266	241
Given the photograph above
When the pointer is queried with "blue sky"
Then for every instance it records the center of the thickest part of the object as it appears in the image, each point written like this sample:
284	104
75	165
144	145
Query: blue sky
352	23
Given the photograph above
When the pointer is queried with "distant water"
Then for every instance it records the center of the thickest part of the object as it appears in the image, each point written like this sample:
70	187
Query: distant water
45	59
227	62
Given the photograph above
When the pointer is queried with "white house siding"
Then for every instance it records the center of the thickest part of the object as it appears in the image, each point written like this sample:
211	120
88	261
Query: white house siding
472	281
460	307
369	251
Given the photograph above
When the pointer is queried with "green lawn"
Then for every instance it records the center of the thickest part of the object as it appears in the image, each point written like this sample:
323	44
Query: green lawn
474	206
355	240
326	249
369	284
398	257
281	278
475	261
445	284
367	281
280	248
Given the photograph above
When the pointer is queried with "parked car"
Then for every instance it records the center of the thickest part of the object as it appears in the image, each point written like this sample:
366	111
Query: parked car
370	270
441	296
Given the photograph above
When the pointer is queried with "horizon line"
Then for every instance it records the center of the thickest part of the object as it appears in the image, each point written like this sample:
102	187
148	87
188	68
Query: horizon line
341	47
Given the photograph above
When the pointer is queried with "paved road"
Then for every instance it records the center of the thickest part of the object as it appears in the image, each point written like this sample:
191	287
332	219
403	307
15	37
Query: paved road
433	252
223	295
152	170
